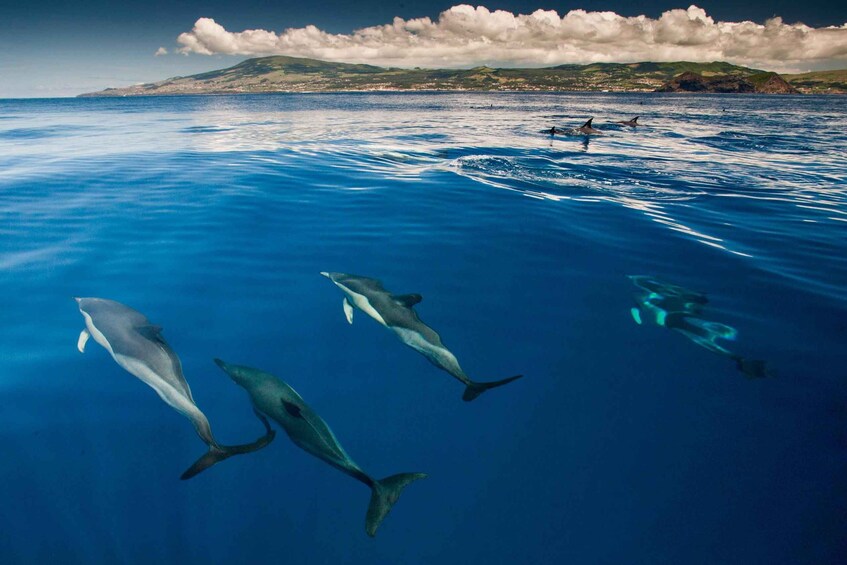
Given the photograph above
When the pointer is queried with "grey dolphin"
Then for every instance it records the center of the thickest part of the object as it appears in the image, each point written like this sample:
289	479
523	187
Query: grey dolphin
588	129
278	401
397	314
680	309
631	123
137	346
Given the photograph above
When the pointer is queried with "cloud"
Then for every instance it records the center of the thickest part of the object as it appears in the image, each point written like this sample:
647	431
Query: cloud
160	51
464	36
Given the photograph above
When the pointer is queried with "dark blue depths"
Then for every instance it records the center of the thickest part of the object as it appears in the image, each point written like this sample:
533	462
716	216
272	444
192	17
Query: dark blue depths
623	444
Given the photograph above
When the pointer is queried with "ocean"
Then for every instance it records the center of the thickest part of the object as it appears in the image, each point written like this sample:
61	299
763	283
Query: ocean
713	431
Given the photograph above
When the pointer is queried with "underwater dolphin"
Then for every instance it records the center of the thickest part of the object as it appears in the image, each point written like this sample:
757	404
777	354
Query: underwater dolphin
277	400
680	309
631	123
137	346
397	314
588	129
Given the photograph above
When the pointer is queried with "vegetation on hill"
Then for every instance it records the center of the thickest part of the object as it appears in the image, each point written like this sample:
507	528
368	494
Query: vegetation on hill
291	74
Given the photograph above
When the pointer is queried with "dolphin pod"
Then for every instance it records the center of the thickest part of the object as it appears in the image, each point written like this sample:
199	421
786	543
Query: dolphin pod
277	400
588	128
137	346
396	313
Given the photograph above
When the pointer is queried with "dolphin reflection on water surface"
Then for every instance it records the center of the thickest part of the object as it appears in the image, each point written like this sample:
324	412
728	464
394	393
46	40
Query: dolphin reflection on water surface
277	400
137	346
396	313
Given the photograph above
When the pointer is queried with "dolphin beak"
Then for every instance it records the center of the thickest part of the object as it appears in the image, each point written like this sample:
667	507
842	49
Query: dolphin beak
324	273
220	364
78	299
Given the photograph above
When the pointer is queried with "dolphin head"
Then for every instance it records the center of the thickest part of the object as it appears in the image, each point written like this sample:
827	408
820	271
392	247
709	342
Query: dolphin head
334	277
243	376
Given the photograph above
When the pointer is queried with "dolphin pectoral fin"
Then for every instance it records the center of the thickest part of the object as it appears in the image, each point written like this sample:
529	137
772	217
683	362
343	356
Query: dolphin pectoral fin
348	310
83	339
636	315
384	494
408	300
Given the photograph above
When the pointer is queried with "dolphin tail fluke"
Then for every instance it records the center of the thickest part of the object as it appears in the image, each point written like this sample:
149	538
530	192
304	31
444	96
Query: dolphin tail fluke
753	368
211	457
474	389
216	454
384	494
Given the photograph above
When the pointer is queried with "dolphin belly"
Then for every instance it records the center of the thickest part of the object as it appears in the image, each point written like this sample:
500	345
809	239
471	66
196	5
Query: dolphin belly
441	357
172	397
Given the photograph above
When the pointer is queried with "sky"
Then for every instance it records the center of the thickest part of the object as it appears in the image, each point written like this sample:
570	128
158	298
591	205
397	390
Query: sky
59	48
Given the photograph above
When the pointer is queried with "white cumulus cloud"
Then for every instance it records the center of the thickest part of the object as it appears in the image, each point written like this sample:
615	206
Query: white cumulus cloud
465	36
160	51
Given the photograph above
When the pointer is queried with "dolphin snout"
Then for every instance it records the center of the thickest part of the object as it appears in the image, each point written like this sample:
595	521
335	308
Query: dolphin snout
220	363
327	275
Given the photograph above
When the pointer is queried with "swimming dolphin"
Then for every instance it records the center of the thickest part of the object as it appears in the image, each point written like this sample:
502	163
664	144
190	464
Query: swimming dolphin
277	400
631	123
396	313
680	309
137	346
587	129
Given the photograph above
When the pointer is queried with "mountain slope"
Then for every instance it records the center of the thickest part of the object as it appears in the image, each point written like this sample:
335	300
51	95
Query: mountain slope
292	74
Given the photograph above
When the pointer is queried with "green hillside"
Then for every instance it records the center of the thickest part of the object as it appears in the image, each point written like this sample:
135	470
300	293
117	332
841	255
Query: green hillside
292	74
820	82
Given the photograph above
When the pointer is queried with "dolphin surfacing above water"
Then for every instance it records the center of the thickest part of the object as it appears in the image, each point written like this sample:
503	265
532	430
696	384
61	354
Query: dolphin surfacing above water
137	346
277	400
633	123
588	129
397	314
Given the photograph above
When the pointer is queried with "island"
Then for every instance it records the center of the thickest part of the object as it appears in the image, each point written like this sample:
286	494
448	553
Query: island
293	74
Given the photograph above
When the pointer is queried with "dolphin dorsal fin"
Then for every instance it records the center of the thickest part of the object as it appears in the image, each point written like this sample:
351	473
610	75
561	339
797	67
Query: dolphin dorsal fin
635	119
588	123
292	408
408	300
151	332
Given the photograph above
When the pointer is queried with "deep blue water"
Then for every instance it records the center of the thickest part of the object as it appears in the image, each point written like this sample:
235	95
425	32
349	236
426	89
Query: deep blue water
623	444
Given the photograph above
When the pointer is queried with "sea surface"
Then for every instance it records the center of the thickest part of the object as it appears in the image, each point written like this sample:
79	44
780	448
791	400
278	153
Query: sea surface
622	444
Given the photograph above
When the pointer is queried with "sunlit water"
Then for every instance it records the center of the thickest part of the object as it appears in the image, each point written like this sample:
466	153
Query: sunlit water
623	444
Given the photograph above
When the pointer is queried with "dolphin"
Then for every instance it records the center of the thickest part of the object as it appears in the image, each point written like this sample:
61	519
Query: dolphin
277	400
631	123
137	346
680	309
554	130
397	314
588	129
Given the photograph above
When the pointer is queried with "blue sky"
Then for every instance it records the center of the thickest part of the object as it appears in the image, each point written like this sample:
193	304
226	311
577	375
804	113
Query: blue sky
54	48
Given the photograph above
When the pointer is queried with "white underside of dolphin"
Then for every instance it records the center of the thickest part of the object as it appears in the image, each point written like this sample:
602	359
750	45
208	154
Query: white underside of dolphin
168	381
411	330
